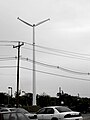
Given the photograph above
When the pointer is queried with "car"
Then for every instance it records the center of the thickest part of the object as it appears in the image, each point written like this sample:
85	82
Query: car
29	115
21	110
2	105
5	109
58	113
13	116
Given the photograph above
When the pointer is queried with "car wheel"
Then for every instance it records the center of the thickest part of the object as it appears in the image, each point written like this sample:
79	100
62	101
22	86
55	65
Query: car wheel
54	119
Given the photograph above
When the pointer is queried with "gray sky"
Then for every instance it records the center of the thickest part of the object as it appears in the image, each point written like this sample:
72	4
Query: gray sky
67	30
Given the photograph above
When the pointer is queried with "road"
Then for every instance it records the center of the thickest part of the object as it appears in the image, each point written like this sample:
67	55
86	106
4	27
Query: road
86	116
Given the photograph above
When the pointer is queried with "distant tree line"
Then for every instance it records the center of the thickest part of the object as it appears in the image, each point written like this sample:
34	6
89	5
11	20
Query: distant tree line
73	102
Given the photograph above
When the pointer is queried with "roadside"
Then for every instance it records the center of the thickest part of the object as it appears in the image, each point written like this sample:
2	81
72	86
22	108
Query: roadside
86	116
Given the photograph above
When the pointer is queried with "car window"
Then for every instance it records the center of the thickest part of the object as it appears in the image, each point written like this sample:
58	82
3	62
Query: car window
13	116
3	110
12	109
63	109
41	111
22	110
6	116
49	111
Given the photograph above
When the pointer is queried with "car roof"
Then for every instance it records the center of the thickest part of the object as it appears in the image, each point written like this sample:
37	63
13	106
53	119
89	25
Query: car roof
57	107
6	108
54	106
6	112
10	113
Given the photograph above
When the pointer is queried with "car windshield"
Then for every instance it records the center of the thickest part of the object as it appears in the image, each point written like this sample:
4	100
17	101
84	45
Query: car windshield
12	116
7	109
63	109
12	109
22	110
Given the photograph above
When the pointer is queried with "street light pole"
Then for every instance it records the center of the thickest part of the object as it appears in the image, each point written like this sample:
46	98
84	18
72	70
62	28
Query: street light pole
11	90
34	78
34	75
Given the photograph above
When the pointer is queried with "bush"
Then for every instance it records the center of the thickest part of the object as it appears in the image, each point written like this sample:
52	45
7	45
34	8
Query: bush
32	109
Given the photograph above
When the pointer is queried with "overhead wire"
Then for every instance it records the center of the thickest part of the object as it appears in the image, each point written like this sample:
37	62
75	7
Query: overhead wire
58	50
56	67
55	50
64	54
58	74
50	49
63	51
49	73
5	45
7	58
7	66
8	41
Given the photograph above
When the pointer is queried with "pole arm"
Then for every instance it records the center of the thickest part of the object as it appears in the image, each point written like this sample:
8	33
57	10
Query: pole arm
33	24
24	22
42	22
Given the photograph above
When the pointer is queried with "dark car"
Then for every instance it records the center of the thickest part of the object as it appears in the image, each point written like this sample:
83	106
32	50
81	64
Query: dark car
20	110
29	115
13	116
2	105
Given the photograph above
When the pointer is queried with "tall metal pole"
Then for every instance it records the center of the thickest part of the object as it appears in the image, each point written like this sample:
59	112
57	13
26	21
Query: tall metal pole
34	75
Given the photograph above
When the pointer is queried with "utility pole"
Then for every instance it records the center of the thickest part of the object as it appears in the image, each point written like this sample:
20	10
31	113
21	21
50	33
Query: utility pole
34	75
18	61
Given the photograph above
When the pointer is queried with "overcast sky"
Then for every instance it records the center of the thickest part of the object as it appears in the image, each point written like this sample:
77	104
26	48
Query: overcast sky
67	33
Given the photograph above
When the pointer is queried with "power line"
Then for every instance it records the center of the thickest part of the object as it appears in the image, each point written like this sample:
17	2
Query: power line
8	41
58	74
58	50
64	54
44	64
73	54
56	67
63	51
48	48
7	58
5	45
7	66
28	43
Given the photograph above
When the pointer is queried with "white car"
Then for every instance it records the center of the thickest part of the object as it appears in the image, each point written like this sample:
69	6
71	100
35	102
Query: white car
58	113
